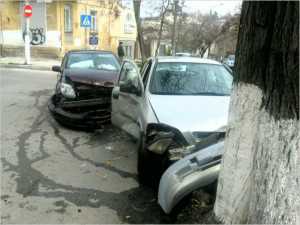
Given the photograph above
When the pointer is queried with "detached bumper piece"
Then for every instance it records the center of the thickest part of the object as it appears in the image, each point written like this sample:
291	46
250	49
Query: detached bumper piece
81	113
188	174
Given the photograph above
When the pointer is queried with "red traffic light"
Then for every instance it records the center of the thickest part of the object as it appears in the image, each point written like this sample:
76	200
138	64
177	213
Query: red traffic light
27	10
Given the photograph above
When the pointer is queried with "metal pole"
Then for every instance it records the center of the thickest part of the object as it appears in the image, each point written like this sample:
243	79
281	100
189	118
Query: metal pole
27	40
85	30
85	38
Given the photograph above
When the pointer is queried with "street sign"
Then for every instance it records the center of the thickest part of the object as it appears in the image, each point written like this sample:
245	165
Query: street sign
93	40
27	10
85	21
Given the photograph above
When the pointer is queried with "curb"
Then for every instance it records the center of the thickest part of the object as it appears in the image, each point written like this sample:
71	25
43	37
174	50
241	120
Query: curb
22	66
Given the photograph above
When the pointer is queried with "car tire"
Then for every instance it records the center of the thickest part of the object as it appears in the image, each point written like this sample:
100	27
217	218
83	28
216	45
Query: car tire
150	166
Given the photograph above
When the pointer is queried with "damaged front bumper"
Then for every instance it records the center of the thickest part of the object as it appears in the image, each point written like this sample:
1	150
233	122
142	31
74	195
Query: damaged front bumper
188	174
81	113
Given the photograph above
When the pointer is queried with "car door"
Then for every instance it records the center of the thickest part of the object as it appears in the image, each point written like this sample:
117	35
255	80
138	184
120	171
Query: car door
126	98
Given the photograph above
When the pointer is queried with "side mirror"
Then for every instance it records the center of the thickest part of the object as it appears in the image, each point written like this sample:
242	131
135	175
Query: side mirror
131	87
56	68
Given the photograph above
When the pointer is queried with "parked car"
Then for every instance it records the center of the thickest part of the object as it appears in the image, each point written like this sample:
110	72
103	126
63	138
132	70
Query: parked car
230	60
85	81
173	105
197	170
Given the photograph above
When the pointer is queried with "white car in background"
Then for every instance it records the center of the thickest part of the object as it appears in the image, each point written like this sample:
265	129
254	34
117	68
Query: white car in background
230	60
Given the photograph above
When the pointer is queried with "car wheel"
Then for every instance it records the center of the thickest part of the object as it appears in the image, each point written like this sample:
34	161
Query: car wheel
150	166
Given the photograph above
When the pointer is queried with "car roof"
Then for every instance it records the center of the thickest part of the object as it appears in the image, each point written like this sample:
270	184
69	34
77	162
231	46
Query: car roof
90	51
186	60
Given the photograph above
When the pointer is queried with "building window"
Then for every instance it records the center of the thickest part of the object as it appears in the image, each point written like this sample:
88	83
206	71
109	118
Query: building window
68	18
94	20
128	49
129	24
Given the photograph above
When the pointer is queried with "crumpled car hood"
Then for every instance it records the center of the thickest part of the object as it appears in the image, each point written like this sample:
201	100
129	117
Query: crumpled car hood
89	76
191	113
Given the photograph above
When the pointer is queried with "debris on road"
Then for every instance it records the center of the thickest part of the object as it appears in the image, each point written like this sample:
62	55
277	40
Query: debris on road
198	210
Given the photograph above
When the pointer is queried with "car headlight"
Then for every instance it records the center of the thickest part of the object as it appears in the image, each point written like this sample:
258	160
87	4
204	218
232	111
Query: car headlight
160	146
67	90
160	138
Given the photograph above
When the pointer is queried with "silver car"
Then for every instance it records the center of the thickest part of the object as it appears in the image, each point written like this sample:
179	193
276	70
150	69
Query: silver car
171	106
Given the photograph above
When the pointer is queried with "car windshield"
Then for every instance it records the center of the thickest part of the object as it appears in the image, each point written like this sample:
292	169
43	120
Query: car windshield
96	61
179	78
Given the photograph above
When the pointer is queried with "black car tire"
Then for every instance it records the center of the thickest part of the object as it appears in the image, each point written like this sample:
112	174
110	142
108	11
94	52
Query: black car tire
150	166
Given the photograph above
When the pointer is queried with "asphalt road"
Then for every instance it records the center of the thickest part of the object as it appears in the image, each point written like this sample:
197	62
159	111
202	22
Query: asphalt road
51	174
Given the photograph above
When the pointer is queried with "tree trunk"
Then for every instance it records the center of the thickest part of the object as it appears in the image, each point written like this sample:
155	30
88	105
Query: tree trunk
140	39
162	21
260	176
174	27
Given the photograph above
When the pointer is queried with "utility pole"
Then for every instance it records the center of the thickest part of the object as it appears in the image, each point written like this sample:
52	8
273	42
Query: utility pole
27	15
175	10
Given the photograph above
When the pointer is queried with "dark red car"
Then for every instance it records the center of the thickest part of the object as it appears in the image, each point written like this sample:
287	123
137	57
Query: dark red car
82	95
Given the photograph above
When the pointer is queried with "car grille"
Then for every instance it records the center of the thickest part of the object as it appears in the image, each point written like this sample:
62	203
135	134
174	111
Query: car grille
88	91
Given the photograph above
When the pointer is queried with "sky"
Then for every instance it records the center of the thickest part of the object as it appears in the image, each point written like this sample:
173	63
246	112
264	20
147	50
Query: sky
204	6
221	7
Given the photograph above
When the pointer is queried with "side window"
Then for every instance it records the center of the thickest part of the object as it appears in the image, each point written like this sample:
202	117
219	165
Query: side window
129	78
68	18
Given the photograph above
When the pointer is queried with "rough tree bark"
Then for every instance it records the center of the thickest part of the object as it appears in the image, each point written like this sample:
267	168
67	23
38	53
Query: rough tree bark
260	176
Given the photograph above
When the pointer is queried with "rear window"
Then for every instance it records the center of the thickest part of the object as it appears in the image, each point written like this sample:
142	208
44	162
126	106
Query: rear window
96	61
179	78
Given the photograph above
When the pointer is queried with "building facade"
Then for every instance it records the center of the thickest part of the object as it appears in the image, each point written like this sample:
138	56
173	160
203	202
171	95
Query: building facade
56	27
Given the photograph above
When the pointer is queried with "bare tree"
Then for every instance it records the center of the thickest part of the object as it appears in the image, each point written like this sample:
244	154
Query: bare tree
137	9
199	31
164	9
260	178
175	9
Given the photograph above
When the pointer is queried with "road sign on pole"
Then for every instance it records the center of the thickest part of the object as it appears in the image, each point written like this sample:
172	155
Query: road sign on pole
27	15
93	40
27	10
85	21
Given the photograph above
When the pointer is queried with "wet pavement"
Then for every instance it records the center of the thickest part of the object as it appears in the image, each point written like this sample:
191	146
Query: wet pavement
51	174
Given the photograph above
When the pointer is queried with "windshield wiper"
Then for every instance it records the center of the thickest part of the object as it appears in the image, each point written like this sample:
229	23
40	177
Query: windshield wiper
210	93
199	93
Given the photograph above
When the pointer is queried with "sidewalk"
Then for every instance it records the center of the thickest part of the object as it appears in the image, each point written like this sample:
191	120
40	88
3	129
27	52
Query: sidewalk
36	63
